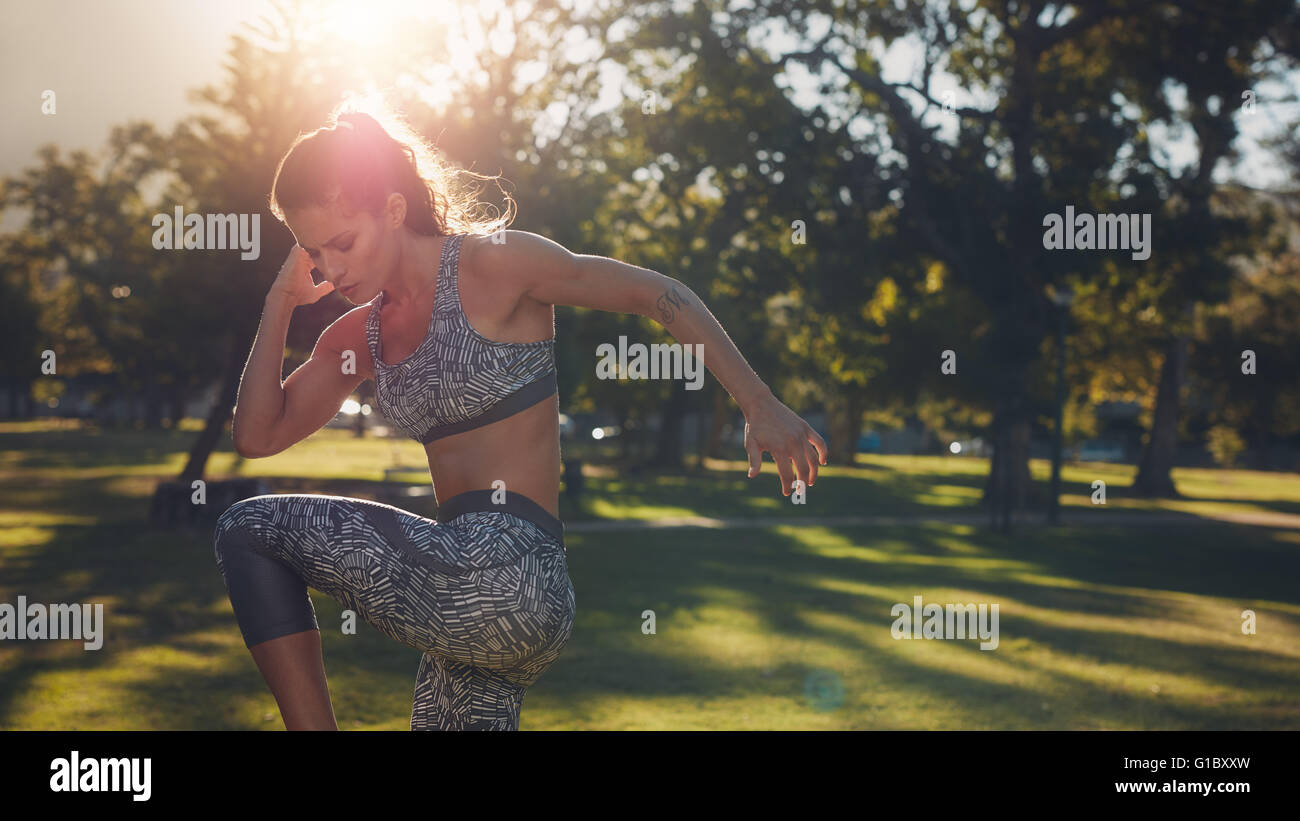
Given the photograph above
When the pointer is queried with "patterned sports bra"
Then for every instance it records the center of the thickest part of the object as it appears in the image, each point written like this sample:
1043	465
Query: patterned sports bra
457	380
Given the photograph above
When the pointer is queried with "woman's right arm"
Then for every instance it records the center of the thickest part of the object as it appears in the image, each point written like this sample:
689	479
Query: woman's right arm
271	415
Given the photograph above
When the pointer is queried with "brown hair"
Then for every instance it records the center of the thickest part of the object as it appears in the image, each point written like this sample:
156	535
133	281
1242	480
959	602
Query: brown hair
364	158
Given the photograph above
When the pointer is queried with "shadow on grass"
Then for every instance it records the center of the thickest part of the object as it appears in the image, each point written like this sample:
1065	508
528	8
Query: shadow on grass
783	582
1084	609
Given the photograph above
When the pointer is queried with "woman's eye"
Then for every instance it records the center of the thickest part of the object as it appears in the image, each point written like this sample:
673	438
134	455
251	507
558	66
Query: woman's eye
345	248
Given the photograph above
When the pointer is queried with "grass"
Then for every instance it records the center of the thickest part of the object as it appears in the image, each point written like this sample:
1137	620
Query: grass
787	627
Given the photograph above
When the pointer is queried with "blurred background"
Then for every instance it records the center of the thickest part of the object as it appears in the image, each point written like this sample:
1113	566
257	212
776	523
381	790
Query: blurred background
858	190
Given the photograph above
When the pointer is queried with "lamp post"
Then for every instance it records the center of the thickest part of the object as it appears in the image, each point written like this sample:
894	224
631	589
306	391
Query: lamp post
1062	296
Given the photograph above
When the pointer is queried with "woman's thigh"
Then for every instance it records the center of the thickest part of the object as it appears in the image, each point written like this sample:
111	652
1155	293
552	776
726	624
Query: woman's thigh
480	590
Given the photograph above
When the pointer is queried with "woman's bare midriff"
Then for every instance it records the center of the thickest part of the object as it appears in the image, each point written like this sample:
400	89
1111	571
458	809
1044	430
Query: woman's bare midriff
521	450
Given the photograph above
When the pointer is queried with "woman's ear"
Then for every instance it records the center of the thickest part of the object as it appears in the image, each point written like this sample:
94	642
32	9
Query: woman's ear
395	210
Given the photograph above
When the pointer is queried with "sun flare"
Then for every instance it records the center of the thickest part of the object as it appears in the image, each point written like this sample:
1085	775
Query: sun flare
372	23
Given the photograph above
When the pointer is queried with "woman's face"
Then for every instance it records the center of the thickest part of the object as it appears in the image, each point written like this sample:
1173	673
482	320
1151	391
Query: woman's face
354	250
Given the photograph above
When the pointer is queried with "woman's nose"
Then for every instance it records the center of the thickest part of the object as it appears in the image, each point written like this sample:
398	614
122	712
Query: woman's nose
334	273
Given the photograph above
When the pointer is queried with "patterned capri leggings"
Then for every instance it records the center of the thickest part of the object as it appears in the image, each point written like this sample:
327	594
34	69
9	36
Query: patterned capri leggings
484	591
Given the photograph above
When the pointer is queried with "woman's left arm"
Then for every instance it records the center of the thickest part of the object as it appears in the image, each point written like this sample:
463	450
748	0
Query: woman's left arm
537	268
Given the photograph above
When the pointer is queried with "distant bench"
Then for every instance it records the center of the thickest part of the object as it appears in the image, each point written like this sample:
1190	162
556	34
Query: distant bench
172	502
421	490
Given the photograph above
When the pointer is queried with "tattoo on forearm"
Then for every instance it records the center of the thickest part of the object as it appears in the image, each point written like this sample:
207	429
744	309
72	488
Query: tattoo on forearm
669	303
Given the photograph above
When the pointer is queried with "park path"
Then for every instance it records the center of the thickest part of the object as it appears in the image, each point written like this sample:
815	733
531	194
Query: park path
1286	521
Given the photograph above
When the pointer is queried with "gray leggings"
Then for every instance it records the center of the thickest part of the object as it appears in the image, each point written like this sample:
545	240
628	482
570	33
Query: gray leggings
484	591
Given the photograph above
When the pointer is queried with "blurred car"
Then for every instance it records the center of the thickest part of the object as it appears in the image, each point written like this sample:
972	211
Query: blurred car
869	442
1097	450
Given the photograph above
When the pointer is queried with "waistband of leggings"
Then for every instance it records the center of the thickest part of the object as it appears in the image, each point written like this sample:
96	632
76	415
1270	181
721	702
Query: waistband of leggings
517	504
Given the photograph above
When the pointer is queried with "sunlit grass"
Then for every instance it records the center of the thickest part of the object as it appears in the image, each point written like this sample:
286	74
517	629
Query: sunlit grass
1100	626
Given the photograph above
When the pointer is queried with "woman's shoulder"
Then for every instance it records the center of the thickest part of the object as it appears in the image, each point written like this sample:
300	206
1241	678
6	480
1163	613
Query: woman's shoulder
495	272
499	256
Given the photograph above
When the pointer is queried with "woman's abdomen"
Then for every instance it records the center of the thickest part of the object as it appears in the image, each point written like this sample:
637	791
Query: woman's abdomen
522	451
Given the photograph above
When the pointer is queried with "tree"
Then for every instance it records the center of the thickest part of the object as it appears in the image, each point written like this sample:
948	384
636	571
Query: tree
1049	136
722	169
1226	45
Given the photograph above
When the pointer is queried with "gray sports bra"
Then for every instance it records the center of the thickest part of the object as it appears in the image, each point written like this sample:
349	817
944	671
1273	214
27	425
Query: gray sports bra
457	380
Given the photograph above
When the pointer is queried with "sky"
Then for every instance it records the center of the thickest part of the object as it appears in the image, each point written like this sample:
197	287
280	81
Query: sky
107	62
113	61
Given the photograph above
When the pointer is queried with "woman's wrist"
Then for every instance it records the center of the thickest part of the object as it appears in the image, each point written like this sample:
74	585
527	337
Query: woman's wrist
277	302
754	395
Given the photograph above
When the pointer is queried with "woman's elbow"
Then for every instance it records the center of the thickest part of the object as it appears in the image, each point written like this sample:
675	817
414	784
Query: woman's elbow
245	447
245	451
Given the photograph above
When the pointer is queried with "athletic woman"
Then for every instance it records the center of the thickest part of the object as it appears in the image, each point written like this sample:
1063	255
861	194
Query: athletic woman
456	327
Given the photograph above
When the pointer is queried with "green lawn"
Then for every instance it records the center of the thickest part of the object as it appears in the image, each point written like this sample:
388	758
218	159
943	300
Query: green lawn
788	627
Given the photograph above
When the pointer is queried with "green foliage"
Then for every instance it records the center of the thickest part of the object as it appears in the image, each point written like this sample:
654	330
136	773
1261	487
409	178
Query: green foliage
1225	444
1260	317
921	231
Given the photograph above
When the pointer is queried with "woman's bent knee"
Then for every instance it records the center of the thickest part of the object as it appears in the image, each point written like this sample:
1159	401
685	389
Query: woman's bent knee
268	596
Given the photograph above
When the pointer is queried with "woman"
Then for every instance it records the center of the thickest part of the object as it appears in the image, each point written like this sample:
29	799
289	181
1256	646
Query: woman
457	330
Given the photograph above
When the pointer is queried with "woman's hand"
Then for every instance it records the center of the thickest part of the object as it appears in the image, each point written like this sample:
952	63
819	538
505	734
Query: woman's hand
294	283
771	426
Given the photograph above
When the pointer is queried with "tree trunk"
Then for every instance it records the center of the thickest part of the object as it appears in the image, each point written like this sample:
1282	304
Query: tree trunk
703	412
1007	488
175	406
846	409
153	407
668	454
220	412
626	450
717	423
17	389
1154	480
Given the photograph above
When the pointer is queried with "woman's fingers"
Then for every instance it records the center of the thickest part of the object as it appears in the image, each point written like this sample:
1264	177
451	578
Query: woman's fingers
796	459
321	289
783	468
805	457
755	454
802	464
818	443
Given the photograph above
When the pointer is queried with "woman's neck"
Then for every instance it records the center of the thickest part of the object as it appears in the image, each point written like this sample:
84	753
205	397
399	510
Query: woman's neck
417	268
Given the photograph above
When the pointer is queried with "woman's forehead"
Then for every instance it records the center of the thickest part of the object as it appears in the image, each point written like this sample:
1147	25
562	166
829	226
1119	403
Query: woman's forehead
314	225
